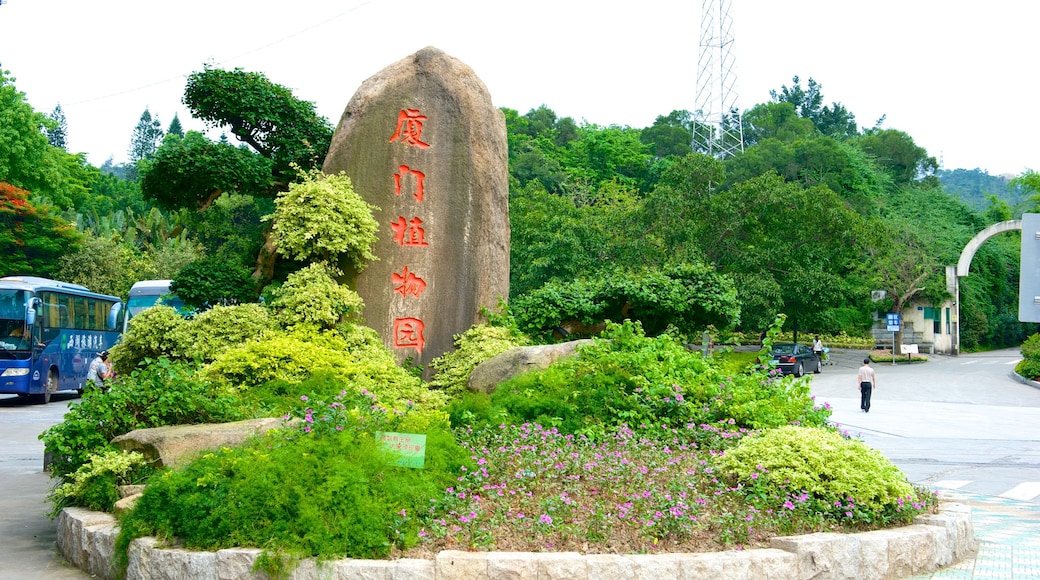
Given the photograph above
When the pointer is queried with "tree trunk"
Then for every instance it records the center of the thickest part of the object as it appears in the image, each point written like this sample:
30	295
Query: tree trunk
264	271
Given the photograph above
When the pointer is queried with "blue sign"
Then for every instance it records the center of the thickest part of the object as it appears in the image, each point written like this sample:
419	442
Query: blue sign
893	321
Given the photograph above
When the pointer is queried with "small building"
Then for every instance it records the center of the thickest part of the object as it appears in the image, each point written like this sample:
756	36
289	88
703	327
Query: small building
932	327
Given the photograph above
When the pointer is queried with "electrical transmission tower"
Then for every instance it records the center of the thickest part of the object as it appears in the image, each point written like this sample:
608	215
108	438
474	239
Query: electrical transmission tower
717	127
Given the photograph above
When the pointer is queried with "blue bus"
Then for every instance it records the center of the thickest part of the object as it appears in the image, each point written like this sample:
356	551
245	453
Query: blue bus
49	333
148	293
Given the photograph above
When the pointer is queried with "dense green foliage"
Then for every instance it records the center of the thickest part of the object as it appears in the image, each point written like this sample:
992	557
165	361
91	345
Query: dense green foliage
212	281
1029	366
326	489
322	218
687	297
95	485
631	379
312	297
164	393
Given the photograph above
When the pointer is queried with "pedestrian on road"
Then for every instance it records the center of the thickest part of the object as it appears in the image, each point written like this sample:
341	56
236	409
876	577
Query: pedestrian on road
817	348
867	382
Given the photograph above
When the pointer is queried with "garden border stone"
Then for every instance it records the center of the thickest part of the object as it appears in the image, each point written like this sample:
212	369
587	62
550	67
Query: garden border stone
87	540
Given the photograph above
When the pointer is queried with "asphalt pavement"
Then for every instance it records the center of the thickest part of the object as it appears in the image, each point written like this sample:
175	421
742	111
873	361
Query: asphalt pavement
963	426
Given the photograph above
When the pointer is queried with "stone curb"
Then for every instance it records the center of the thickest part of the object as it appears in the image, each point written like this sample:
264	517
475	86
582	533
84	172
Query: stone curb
87	540
1024	380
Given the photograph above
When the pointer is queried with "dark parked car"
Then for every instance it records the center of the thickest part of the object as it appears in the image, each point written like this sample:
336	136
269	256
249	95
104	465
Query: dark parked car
796	359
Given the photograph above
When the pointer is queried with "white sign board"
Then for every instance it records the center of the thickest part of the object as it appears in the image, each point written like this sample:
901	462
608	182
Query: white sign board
908	348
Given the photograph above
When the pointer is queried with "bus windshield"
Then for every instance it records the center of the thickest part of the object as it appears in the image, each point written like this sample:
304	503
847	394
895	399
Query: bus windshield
12	324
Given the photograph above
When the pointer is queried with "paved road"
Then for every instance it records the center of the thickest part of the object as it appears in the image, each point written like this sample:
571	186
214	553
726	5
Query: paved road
26	534
951	423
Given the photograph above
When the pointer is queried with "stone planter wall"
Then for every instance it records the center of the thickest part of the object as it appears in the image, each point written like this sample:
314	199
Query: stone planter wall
87	538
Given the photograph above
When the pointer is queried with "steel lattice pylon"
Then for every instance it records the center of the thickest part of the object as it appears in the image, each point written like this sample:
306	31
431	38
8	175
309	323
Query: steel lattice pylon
717	129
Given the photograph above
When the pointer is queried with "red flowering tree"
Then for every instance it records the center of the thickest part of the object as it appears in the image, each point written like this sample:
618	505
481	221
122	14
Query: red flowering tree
31	239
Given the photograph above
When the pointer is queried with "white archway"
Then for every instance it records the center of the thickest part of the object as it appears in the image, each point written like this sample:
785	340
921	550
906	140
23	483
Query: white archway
955	273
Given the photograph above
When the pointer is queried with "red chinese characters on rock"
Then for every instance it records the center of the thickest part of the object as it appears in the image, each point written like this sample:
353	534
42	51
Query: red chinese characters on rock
409	232
404	171
408	333
409	128
407	283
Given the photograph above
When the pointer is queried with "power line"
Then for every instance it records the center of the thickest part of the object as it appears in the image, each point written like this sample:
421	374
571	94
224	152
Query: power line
226	60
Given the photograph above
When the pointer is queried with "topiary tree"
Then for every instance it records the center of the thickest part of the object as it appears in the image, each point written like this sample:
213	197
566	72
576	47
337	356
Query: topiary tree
322	218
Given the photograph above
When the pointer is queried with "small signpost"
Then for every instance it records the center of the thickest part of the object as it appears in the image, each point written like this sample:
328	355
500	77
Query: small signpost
409	448
892	320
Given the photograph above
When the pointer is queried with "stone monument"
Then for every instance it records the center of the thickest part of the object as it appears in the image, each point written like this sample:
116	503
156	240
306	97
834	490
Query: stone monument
421	141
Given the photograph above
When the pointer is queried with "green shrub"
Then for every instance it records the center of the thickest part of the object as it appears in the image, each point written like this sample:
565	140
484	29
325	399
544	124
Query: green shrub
162	393
152	335
472	347
312	297
219	328
327	493
1029	367
211	281
821	462
95	485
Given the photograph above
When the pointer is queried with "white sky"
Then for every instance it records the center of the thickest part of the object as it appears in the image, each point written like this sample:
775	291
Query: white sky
956	76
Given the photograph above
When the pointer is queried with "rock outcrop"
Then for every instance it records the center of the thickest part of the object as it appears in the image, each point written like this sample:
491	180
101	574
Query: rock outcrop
515	361
176	445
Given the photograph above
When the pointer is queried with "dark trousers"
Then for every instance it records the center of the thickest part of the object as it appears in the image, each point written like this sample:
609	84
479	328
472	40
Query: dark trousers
864	396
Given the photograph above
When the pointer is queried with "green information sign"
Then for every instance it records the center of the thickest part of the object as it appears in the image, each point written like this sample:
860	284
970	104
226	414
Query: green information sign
410	448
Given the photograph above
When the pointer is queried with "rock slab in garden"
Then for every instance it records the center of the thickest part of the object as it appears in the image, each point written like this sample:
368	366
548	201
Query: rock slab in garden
517	361
178	444
422	141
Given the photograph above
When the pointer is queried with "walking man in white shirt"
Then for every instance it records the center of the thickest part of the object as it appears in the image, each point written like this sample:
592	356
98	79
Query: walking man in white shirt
867	382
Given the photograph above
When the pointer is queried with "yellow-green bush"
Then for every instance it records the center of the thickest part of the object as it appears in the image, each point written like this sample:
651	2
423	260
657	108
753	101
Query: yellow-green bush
219	328
357	357
818	461
151	335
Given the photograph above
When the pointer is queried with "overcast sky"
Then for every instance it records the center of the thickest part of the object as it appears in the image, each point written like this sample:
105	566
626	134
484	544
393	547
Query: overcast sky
957	76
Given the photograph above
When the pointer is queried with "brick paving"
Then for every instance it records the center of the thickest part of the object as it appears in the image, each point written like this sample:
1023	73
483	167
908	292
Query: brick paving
1008	532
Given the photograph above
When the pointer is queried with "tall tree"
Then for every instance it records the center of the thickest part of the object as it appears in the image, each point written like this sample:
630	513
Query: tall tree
32	239
144	142
834	120
23	144
900	157
58	129
175	127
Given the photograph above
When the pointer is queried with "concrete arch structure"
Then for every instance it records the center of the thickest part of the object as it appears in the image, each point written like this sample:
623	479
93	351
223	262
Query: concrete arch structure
955	273
980	238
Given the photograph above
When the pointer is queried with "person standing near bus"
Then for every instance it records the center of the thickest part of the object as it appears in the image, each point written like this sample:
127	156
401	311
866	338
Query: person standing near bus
99	371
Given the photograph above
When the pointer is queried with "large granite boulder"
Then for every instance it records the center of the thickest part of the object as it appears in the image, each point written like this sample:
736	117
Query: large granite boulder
516	361
176	445
422	141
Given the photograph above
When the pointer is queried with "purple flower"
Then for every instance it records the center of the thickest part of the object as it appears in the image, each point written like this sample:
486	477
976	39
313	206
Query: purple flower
545	519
